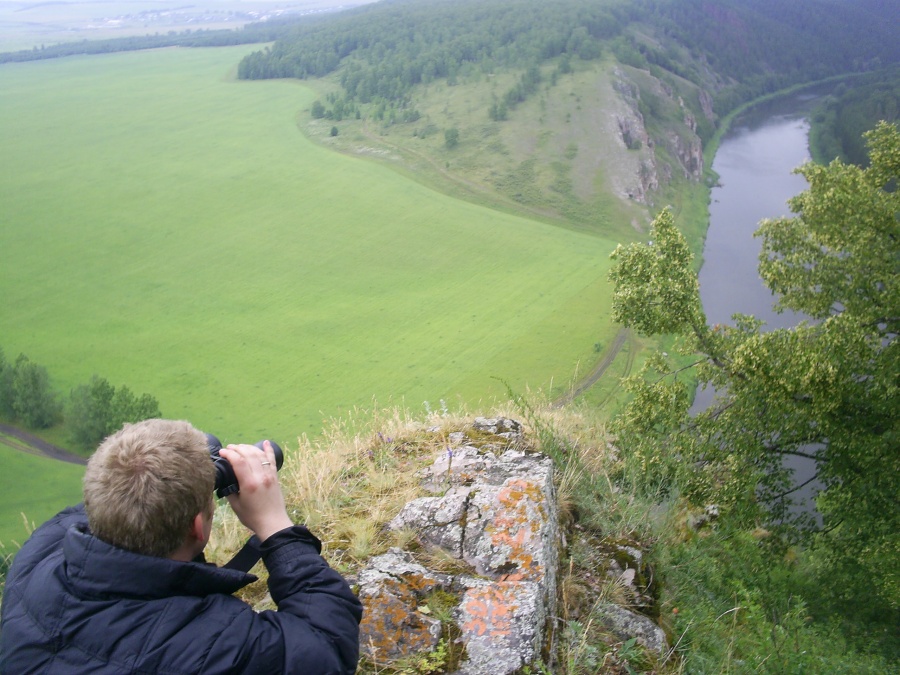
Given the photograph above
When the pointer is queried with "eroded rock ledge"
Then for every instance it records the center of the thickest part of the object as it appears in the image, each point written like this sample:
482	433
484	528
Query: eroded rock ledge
494	510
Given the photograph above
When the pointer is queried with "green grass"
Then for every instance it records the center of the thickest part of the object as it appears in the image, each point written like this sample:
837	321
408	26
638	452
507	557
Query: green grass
556	158
170	229
34	488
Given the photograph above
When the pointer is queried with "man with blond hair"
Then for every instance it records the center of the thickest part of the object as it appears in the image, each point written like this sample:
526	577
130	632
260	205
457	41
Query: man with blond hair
119	584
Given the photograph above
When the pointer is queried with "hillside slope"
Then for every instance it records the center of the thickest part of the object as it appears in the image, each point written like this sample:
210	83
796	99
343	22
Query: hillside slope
587	114
579	152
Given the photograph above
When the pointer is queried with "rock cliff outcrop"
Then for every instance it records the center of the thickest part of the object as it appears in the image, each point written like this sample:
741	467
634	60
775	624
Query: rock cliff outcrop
493	509
679	137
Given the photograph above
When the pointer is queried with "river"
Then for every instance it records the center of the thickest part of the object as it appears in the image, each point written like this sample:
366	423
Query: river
755	163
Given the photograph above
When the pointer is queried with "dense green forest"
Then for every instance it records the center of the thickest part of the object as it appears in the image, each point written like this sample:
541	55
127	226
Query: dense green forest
854	108
737	49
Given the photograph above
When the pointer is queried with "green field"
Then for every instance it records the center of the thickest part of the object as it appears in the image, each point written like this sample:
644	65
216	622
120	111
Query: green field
33	489
169	228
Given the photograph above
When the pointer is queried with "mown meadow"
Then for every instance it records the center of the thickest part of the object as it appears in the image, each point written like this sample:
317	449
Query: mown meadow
171	229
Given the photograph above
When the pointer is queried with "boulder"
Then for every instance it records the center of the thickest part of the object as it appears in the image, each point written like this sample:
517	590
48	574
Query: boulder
625	624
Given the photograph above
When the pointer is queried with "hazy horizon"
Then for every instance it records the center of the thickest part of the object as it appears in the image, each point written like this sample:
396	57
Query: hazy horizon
27	25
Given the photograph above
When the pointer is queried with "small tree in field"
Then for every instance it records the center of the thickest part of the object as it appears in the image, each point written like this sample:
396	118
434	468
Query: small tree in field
827	390
451	137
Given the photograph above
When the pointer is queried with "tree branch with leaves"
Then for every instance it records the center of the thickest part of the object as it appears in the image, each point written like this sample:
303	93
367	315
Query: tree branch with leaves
827	389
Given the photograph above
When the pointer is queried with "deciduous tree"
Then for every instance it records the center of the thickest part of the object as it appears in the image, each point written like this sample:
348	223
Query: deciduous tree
827	389
97	409
26	395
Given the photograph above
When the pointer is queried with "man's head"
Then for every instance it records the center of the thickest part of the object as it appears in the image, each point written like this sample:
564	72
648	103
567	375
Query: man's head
146	484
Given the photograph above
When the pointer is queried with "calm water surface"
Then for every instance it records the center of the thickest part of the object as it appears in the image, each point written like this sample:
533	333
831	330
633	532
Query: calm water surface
755	163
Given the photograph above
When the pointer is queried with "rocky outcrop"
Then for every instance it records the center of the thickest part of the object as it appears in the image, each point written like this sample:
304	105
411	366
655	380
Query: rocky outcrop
688	150
493	509
633	132
682	143
706	105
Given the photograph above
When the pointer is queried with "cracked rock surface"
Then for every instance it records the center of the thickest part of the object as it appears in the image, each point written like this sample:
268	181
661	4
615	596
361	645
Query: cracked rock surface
494	508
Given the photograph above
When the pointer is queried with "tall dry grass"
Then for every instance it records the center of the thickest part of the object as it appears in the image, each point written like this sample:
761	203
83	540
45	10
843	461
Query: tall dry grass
348	484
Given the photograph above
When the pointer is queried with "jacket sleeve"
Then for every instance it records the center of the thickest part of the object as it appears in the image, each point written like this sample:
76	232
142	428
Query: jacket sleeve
303	585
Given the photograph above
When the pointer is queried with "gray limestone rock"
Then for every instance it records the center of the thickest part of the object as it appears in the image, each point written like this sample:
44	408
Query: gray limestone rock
625	624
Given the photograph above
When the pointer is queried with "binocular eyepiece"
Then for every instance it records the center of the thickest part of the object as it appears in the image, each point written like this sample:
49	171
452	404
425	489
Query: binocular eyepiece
226	481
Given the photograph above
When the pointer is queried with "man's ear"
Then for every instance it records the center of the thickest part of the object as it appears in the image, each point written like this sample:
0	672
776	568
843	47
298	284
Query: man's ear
195	539
198	528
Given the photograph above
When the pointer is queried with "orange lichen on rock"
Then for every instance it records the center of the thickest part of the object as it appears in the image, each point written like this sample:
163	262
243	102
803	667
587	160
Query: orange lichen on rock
501	624
494	507
391	587
487	611
514	529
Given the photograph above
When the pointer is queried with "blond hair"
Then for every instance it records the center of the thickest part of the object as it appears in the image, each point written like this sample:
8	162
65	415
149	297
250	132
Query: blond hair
145	484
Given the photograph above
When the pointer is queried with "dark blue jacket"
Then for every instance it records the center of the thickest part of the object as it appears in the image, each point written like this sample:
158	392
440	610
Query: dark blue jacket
74	604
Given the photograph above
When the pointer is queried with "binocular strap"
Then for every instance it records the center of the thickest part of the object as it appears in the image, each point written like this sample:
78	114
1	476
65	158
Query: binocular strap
247	557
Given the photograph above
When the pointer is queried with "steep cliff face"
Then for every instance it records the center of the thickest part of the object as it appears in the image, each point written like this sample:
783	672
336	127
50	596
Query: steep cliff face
659	119
607	130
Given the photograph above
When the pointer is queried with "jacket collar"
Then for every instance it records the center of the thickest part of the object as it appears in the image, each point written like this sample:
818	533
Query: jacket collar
97	569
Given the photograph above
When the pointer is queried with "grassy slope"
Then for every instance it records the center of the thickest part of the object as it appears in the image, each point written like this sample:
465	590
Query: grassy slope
558	157
169	229
578	166
34	488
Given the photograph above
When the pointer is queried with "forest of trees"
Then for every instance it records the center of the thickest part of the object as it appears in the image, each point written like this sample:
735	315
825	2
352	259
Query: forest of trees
842	119
250	34
739	50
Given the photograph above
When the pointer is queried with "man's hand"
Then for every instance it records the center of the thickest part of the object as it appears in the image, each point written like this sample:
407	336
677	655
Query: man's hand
259	505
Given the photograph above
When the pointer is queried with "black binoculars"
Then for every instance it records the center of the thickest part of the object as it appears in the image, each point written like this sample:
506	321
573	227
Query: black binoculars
226	481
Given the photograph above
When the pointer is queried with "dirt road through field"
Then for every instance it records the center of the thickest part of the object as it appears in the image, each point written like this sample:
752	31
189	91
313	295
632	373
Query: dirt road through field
25	442
621	337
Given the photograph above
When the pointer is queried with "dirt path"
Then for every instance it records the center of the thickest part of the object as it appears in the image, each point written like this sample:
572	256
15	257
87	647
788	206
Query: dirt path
611	353
25	442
